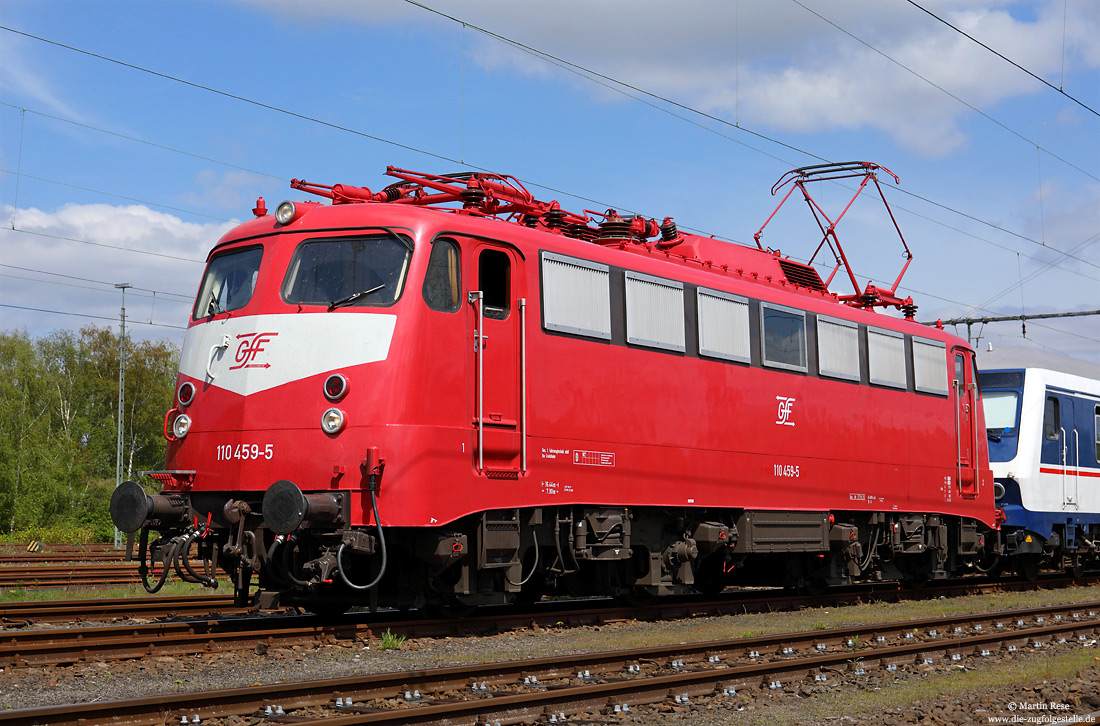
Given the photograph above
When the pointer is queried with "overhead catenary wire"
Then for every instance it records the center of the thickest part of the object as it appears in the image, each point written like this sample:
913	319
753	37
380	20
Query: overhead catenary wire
1005	58
89	315
21	175
151	296
938	87
541	186
543	55
98	282
139	140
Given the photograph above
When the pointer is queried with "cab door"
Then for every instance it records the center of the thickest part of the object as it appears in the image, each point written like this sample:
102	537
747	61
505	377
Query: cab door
1061	450
496	312
965	395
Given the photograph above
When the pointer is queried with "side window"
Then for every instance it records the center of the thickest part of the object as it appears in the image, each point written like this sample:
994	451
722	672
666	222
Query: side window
229	282
443	280
1096	431
494	280
1052	425
784	337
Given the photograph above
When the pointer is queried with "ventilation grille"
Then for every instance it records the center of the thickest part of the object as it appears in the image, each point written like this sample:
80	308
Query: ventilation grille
800	274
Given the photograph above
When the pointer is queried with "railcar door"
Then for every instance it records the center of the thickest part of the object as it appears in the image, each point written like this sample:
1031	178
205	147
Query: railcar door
966	399
497	312
1060	457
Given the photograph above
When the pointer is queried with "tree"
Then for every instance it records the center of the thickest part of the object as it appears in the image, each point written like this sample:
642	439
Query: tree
58	425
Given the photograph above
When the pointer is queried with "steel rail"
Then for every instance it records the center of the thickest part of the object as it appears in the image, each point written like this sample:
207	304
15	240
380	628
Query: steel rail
59	646
32	576
583	682
20	558
23	614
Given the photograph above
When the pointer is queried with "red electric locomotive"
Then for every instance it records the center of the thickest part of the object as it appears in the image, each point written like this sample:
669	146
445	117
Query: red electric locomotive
450	393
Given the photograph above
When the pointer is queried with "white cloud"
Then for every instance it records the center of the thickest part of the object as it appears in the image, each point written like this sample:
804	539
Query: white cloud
91	247
775	65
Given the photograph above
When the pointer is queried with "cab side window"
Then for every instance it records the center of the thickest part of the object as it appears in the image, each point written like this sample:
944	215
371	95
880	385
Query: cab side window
1052	425
1096	431
443	280
494	278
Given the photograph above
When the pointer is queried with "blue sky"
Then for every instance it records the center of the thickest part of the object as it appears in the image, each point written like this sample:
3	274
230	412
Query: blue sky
113	173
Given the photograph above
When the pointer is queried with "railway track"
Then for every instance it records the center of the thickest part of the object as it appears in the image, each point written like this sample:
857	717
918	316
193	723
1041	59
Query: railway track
600	684
220	627
25	614
61	553
42	576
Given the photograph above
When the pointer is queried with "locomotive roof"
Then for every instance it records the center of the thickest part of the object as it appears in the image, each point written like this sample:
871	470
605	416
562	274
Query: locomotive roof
1017	357
498	206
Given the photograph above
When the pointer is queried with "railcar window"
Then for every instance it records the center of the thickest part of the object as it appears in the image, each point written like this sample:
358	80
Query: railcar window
723	325
654	312
348	271
576	296
838	348
1096	431
886	357
1012	379
1000	411
784	337
1052	424
443	280
930	366
494	279
229	282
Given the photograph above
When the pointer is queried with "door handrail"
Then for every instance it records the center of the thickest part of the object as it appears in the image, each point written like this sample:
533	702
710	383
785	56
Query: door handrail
523	382
476	297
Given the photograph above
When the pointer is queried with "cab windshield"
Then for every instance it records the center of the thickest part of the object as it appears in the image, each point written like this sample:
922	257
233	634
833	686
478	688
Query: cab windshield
348	271
229	282
1000	411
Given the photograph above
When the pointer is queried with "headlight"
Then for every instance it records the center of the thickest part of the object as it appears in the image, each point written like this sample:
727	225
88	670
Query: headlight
284	213
332	421
181	425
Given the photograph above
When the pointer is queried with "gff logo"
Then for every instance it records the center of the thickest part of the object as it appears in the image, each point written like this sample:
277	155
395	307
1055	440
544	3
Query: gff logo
251	345
785	406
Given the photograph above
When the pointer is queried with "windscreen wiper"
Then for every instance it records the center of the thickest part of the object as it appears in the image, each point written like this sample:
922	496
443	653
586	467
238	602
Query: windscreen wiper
214	307
352	298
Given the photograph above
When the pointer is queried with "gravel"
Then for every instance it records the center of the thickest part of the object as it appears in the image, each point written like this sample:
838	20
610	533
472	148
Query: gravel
1061	681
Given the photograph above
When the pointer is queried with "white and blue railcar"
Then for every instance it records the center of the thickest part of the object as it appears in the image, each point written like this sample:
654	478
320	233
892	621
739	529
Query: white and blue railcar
1042	413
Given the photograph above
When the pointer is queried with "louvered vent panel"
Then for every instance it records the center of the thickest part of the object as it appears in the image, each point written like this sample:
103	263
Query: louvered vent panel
800	274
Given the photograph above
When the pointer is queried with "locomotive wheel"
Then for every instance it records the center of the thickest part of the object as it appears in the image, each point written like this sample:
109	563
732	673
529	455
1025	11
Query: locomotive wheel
1027	567
639	598
448	607
532	591
916	582
1075	569
327	608
814	586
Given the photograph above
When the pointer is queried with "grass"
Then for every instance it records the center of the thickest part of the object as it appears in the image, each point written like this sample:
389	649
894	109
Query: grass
392	641
171	588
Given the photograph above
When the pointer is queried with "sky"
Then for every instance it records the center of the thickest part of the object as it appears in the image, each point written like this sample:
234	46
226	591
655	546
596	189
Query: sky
134	134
